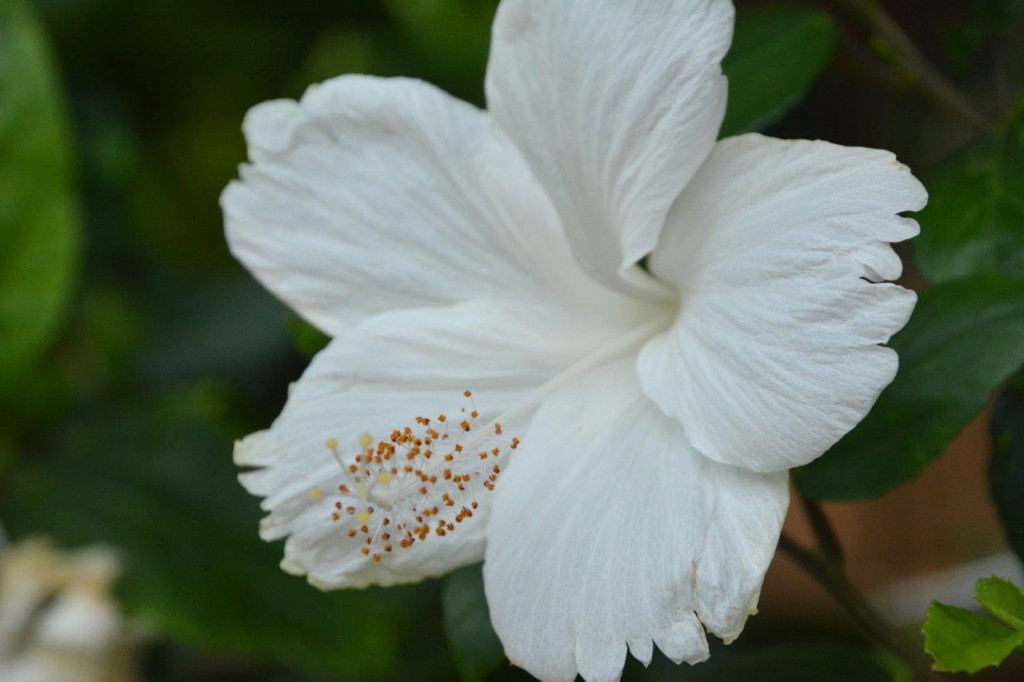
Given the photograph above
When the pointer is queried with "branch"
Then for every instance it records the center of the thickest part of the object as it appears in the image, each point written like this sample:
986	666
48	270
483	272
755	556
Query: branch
835	580
824	534
913	62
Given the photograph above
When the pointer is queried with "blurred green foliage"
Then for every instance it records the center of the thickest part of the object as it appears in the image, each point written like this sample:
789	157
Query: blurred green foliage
1006	469
989	19
777	54
122	390
39	220
974	221
467	623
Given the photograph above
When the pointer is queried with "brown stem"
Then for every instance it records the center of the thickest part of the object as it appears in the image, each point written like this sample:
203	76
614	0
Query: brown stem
824	534
834	579
913	62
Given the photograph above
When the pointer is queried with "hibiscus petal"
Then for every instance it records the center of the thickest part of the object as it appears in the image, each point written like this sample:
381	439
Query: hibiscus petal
610	531
379	377
379	194
776	247
615	105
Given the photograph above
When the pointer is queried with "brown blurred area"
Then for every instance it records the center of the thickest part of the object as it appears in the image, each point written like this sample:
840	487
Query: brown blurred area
942	519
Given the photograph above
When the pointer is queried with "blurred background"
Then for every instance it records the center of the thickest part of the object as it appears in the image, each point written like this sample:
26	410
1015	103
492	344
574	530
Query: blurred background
157	350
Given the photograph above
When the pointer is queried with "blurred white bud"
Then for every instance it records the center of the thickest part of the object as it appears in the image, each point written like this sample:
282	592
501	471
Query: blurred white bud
59	621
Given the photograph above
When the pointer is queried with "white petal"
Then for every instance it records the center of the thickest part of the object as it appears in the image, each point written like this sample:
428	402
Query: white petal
610	531
379	377
615	105
379	194
775	246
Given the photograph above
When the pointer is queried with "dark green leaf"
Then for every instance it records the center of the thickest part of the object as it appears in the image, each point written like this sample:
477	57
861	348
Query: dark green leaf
1006	471
38	213
1003	599
475	647
451	40
307	338
964	339
777	54
345	49
974	221
962	641
156	481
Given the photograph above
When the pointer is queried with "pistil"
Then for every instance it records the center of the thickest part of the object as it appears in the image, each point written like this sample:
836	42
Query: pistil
420	482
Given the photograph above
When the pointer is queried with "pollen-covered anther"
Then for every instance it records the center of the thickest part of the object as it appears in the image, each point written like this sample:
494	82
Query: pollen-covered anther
419	482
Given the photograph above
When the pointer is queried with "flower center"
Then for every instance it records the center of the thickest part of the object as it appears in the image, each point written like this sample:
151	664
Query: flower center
420	482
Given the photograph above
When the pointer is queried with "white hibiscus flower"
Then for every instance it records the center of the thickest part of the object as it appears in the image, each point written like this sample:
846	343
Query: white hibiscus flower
447	248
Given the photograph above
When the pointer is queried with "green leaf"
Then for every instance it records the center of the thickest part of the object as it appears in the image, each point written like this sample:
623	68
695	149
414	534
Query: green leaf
39	226
467	622
964	339
962	641
1003	599
156	481
307	338
1006	470
777	54
450	39
974	221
